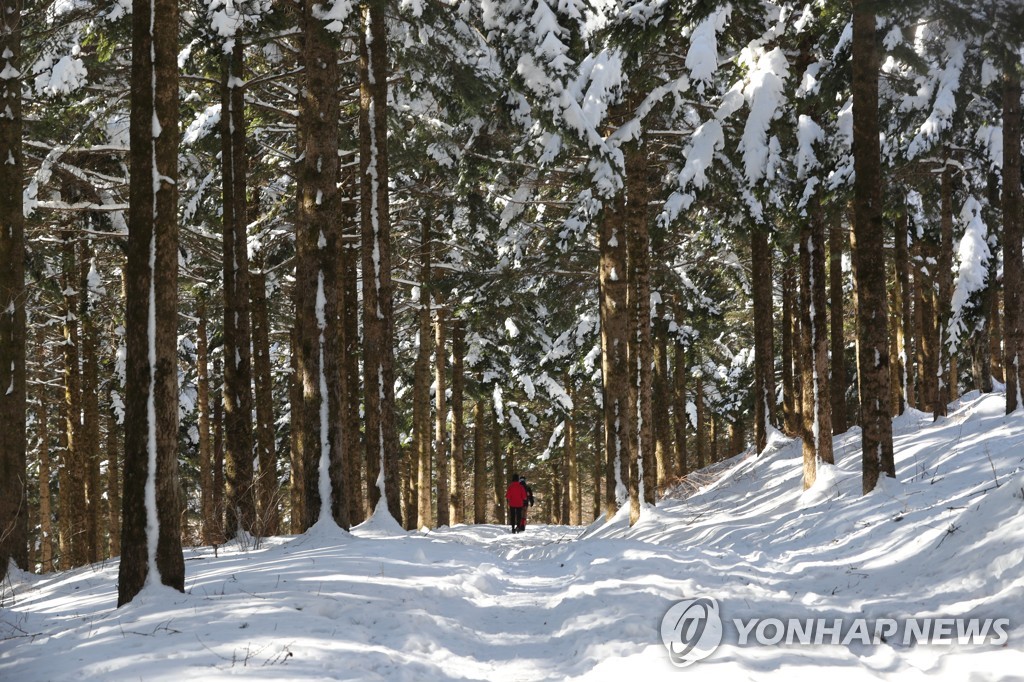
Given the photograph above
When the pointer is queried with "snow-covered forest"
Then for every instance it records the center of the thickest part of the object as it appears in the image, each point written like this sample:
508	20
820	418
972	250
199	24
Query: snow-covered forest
271	265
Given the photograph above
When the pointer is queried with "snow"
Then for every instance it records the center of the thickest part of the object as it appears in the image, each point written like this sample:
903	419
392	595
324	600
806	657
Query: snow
943	539
973	256
946	83
765	93
702	55
64	77
205	123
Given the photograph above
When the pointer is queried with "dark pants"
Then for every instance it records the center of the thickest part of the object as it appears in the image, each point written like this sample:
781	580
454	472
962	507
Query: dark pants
516	518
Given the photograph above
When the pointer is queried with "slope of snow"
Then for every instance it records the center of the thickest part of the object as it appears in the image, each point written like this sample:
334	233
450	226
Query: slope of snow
946	538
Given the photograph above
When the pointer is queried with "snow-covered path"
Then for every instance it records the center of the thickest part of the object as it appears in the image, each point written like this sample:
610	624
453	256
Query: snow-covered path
475	602
470	602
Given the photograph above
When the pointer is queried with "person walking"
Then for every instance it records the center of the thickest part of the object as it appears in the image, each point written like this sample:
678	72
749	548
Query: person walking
516	497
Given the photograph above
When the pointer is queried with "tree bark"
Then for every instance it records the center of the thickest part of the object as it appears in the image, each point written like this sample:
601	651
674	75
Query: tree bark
790	397
207	510
572	458
45	504
421	389
317	245
702	421
378	324
662	402
840	377
90	425
982	347
638	244
74	504
238	397
348	299
13	405
764	346
479	462
817	403
217	464
876	419
1013	227
268	516
995	337
945	281
113	510
713	439
297	475
497	470
151	490
618	413
681	417
456	506
441	419
905	335
928	335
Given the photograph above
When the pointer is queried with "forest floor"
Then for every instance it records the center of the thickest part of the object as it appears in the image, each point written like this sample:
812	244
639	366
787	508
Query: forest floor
944	540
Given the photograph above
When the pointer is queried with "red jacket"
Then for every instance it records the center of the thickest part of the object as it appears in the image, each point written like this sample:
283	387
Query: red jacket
516	494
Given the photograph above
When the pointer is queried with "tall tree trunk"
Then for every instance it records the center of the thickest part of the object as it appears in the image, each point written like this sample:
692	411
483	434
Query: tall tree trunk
928	337
1013	227
217	465
151	492
572	458
76	508
497	470
45	504
378	324
598	460
89	445
713	439
441	419
790	399
13	462
297	475
817	412
268	516
921	338
876	419
348	299
981	361
456	506
839	376
681	418
764	346
702	421
615	369
421	389
64	486
238	399
207	511
995	337
317	244
638	243
662	403
904	336
945	281
113	484
798	360
479	462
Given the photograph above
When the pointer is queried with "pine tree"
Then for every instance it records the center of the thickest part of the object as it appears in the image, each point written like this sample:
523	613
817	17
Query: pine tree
13	401
873	361
151	491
